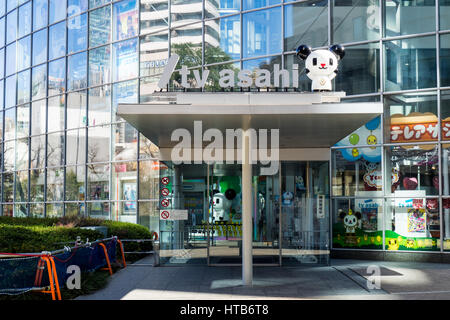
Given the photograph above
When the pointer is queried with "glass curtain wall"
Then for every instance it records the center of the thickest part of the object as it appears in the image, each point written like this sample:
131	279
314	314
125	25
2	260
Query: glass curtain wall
68	63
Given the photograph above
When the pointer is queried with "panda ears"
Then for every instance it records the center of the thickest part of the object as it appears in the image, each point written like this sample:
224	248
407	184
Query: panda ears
303	51
338	50
342	214
358	215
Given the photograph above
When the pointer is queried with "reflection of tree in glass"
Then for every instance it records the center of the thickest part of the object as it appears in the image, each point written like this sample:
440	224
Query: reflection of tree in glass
192	57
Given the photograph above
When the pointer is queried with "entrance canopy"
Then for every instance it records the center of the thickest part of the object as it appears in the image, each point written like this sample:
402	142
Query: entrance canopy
305	120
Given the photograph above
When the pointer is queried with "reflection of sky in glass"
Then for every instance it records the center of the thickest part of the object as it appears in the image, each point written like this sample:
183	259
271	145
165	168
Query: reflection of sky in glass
262	32
230	32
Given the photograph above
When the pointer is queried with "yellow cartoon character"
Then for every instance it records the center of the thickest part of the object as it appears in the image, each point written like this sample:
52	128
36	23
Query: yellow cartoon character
371	140
355	152
410	243
393	244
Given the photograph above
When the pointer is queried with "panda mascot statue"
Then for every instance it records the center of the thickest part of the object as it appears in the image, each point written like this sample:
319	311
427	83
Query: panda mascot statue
321	65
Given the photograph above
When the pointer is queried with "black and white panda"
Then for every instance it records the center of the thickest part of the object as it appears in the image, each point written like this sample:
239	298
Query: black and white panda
350	220
321	65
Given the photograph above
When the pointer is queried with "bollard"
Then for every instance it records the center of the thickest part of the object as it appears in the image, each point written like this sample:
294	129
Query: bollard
156	253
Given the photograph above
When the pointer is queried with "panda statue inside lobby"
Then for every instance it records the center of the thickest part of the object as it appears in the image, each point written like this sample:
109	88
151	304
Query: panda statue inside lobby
321	65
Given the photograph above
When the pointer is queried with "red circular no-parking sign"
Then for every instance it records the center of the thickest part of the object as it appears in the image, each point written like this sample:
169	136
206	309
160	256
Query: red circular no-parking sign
165	215
165	181
165	192
165	203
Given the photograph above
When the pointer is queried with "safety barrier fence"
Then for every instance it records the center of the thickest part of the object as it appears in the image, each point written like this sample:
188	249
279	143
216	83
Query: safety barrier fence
47	272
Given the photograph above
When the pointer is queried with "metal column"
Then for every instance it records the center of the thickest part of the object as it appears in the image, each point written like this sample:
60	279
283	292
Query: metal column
247	211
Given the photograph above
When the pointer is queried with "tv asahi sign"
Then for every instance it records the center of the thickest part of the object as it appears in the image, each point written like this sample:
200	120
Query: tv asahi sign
321	68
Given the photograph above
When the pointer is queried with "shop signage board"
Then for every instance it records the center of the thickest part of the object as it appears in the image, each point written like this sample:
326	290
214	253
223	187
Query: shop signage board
173	215
418	128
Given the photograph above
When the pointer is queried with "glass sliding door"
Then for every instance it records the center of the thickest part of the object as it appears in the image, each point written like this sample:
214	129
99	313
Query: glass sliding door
305	212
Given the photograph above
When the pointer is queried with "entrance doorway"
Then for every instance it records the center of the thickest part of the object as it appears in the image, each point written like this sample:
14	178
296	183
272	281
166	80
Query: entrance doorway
201	207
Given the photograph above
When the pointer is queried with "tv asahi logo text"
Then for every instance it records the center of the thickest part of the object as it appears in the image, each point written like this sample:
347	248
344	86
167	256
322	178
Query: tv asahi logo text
229	78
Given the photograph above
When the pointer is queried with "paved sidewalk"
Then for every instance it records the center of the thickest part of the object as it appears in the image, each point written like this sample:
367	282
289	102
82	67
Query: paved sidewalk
344	279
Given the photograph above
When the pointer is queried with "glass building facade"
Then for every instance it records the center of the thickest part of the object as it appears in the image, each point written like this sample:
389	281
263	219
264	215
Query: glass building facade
67	64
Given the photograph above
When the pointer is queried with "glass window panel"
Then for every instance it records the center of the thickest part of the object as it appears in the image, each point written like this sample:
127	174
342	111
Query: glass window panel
38	117
124	185
154	52
2	32
39	82
77	33
56	114
57	10
21	154
359	72
148	86
75	178
9	154
445	174
357	172
410	64
98	182
75	209
54	209
355	20
305	23
415	170
125	20
264	63
77	73
22	187
409	17
55	184
11	54
55	149
99	210
445	114
37	179
25	19
76	143
11	26
2	65
185	11
260	35
411	117
222	40
57	40
40	14
99	26
10	124
56	77
187	43
363	228
10	4
99	66
8	187
99	105
21	210
124	92
23	122
1	102
76	6
97	3
149	180
444	52
304	83
98	143
76	109
37	152
124	146
37	210
154	16
125	60
24	53
39	47
2	7
149	215
254	4
444	14
10	91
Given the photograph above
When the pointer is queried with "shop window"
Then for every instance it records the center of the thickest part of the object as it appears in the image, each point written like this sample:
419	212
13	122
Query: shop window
412	223
357	172
358	223
75	209
445	114
446	169
99	210
411	118
414	169
98	182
